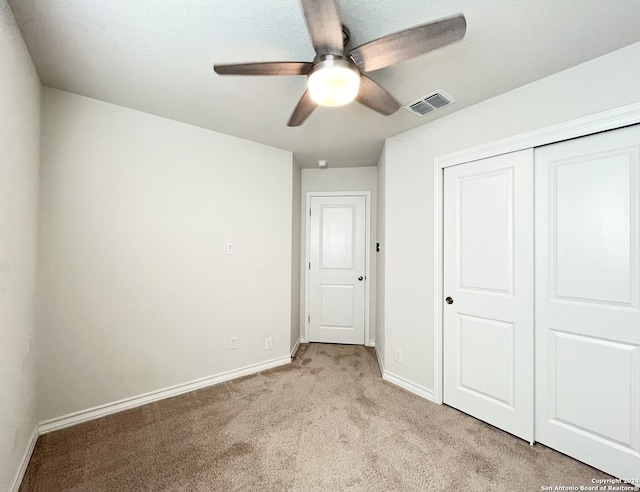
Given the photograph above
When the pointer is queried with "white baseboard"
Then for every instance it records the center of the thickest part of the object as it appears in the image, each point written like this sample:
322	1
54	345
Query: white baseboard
295	348
416	389
136	401
380	360
25	460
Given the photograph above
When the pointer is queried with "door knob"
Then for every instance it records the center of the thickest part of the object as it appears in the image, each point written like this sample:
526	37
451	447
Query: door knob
361	278
449	300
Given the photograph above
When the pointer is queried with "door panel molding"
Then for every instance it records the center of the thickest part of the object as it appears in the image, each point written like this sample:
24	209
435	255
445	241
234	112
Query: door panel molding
471	376
495	252
367	294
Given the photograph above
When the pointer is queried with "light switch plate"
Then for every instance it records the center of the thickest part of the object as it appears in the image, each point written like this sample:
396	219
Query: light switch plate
231	249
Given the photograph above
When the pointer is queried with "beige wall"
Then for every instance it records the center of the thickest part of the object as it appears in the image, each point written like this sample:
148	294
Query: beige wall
340	179
604	83
137	291
19	148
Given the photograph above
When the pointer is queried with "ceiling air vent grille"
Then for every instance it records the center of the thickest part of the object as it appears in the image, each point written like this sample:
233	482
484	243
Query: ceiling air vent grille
421	107
429	103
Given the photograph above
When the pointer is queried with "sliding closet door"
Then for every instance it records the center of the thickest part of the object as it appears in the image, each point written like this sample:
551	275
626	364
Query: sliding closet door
488	282
588	300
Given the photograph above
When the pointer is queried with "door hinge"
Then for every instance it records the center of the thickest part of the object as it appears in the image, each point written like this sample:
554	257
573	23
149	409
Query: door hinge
309	265
309	319
309	212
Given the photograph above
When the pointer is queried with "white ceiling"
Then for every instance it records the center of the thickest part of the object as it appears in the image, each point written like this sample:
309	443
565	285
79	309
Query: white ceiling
157	55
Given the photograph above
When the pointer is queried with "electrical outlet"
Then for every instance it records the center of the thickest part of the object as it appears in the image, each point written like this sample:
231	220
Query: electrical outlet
268	343
233	343
399	355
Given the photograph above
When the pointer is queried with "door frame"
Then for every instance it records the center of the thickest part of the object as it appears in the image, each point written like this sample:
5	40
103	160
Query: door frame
599	122
367	257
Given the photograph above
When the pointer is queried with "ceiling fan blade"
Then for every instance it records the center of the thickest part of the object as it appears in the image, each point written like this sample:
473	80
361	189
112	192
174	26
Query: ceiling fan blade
376	97
266	68
304	108
324	26
403	45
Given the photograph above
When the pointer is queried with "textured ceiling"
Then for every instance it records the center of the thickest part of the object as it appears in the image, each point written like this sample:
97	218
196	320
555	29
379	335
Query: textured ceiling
157	55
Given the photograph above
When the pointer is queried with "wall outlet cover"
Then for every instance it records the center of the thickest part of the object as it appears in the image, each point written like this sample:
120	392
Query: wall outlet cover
398	357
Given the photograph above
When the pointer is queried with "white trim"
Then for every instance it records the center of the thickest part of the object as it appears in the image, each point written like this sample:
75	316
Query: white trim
380	361
295	348
25	460
136	401
367	260
599	122
403	383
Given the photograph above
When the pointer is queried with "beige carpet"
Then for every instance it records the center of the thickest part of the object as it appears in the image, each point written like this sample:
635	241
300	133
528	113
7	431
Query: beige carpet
327	421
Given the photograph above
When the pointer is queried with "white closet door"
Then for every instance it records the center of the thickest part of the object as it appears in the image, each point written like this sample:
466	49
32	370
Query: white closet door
588	300
488	276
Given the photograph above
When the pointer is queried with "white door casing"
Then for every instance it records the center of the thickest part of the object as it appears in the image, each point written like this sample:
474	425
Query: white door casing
337	269
488	273
588	300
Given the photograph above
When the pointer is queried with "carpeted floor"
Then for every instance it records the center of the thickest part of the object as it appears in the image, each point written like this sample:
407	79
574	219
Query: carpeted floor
327	421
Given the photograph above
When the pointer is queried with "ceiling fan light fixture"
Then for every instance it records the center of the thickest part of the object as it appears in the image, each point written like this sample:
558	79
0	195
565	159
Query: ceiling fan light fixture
333	82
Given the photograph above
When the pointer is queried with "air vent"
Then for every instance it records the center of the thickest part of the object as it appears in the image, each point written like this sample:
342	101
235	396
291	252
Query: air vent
421	107
429	103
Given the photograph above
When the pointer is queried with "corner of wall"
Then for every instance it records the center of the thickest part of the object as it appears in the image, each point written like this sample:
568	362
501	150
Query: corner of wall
295	255
19	170
380	257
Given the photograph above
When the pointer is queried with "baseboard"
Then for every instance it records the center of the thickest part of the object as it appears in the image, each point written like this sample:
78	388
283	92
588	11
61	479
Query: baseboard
25	460
380	360
416	389
295	348
136	401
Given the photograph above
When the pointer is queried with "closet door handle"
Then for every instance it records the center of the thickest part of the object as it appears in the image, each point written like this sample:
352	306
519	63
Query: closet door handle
449	300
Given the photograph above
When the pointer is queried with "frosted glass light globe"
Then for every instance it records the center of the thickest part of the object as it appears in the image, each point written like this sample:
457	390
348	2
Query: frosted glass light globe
333	83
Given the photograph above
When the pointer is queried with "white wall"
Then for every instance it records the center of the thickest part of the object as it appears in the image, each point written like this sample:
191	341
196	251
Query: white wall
380	258
604	83
340	179
295	256
19	149
137	291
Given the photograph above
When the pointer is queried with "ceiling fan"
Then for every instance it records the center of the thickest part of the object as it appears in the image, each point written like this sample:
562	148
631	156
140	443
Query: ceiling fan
336	76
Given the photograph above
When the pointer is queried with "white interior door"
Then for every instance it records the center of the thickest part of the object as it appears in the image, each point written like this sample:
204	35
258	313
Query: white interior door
488	274
337	273
588	300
